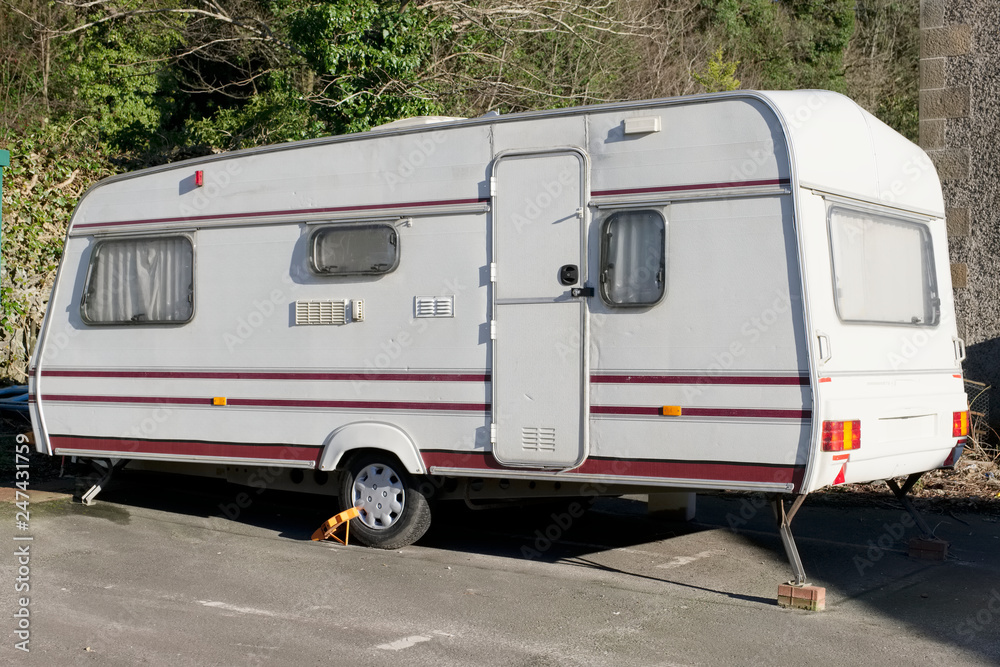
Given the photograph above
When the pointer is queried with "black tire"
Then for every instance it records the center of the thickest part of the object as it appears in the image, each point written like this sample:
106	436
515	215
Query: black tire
394	513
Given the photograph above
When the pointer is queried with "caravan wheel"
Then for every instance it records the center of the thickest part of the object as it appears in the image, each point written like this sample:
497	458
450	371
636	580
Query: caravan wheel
394	513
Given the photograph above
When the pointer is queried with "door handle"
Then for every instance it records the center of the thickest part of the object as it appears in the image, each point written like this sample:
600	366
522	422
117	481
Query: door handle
824	344
569	274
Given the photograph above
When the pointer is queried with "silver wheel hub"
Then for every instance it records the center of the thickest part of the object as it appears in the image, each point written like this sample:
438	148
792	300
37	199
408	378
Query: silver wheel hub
379	496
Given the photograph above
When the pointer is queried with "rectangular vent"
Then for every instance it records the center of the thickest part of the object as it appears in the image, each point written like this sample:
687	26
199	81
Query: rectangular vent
321	312
434	306
538	438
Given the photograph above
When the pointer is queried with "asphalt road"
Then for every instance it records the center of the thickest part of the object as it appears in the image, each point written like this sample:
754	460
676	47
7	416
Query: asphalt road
155	574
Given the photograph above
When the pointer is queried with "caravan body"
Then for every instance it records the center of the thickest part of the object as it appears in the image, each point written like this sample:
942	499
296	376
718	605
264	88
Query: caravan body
738	291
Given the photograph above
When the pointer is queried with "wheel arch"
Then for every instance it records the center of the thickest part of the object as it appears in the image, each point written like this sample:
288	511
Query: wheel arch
371	436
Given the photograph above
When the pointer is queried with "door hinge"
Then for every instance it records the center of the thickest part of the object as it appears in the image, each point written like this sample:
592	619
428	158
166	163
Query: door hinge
493	434
493	186
493	272
493	329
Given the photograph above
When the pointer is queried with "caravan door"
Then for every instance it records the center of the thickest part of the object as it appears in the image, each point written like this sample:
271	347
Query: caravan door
539	325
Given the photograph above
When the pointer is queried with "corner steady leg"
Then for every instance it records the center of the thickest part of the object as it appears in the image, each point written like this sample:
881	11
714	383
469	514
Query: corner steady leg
929	546
798	594
900	494
784	519
107	469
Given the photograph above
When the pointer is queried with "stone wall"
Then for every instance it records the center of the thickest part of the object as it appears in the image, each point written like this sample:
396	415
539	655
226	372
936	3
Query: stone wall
960	130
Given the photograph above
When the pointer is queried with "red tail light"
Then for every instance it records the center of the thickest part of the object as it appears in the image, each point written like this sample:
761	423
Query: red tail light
841	436
959	424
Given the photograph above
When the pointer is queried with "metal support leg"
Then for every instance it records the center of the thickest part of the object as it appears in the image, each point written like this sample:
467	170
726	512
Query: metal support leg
784	519
900	494
108	467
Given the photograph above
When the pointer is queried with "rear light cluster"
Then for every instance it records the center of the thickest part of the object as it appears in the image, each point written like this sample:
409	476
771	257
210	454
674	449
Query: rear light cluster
841	436
959	424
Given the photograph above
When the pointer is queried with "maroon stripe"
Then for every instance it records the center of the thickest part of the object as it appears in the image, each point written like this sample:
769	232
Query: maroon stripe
268	402
700	470
251	375
699	379
189	448
694	186
703	412
363	405
264	214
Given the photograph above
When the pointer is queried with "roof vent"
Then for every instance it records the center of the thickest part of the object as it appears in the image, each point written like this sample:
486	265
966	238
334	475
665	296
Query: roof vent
416	121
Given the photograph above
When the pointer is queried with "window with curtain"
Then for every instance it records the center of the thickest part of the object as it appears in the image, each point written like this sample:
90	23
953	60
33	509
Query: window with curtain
354	249
883	269
633	258
148	280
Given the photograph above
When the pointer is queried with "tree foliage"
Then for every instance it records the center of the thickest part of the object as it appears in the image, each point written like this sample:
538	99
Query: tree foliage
89	87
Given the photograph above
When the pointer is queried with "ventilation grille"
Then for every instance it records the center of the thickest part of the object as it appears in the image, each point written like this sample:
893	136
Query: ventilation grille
434	306
538	438
321	312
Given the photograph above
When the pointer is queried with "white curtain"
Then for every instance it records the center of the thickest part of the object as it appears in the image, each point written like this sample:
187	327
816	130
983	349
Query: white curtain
141	280
633	270
882	269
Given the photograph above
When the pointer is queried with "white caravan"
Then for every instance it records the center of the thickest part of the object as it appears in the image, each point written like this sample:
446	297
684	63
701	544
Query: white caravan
738	291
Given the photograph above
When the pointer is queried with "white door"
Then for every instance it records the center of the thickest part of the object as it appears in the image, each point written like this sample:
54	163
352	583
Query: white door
539	374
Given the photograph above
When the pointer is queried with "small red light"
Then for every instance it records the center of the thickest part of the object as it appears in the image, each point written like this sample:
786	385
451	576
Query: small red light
959	424
199	178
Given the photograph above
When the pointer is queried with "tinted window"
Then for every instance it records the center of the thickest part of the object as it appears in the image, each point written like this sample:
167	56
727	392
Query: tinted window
354	249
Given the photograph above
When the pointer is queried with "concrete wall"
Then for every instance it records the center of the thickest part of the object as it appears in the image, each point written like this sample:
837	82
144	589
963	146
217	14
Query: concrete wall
960	129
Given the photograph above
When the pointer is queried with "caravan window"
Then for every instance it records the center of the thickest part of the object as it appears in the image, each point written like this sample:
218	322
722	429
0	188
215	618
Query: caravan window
883	269
346	250
144	280
633	257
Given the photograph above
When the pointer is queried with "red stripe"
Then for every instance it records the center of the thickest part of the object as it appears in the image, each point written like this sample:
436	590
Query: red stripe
419	377
254	375
363	405
698	379
189	448
703	412
267	402
696	186
264	214
700	470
